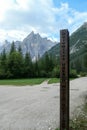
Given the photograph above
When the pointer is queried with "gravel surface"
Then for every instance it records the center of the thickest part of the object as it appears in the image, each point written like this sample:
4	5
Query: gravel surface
36	107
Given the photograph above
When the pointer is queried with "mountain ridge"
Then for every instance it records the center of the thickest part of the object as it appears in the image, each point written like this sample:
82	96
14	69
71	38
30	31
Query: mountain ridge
78	49
33	43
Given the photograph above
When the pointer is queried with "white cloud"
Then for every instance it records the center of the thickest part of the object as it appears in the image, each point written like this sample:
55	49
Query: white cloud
19	17
4	5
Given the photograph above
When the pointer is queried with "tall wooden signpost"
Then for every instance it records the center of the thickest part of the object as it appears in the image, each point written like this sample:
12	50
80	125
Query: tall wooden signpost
64	79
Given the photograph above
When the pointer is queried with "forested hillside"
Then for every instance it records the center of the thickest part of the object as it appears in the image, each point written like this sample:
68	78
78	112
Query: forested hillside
78	50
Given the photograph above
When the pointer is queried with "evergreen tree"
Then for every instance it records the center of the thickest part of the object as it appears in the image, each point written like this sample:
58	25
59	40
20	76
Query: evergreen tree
15	65
3	64
36	69
41	65
78	65
85	60
20	49
12	47
22	60
28	67
48	65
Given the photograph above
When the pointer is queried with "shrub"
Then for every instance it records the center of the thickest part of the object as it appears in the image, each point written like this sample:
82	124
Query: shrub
83	74
73	74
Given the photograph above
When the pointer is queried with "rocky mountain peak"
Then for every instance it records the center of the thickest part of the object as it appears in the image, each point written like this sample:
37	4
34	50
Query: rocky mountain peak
32	33
33	43
32	36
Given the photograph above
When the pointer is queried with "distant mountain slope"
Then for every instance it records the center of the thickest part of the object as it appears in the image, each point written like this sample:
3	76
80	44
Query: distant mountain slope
54	51
33	43
78	48
78	40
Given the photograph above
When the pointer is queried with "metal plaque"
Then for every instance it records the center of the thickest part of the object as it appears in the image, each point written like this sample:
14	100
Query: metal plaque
64	79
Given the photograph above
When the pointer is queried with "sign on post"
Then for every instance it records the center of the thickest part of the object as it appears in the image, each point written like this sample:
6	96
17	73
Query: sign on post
64	79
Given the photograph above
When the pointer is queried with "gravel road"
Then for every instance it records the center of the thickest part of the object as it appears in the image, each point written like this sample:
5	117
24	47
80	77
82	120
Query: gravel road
36	107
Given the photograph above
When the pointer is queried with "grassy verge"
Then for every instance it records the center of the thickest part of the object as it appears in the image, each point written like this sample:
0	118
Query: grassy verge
56	80
22	82
79	122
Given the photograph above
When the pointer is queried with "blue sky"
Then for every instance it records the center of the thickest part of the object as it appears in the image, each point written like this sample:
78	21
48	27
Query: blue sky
78	5
19	17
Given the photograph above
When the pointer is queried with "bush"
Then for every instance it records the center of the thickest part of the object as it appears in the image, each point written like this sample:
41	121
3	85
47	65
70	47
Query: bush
73	74
56	72
83	74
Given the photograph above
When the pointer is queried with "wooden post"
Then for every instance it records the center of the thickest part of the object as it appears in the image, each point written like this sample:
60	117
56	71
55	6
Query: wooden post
64	79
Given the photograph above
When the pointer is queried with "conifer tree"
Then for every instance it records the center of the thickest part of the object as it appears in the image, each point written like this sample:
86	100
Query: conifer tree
28	67
3	64
12	47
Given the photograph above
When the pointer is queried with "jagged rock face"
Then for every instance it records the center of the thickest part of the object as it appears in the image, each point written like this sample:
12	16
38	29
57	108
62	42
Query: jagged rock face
33	43
36	45
5	45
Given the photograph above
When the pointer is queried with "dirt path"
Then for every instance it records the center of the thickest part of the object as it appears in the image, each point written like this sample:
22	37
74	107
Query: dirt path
36	107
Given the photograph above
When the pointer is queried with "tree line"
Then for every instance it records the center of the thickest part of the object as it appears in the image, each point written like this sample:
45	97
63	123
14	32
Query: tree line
16	65
79	61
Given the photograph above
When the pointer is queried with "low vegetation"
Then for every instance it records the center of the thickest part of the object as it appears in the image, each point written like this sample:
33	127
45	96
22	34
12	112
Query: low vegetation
79	122
56	80
53	80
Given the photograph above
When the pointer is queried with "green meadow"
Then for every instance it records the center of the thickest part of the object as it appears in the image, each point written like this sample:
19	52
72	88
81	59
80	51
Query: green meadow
22	82
32	81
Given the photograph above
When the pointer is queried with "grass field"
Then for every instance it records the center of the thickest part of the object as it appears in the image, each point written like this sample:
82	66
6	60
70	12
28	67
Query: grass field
22	82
